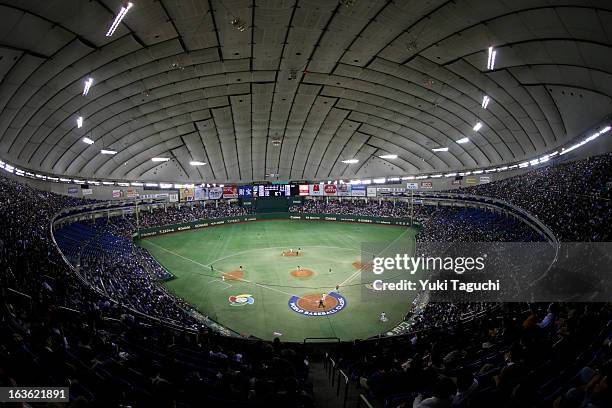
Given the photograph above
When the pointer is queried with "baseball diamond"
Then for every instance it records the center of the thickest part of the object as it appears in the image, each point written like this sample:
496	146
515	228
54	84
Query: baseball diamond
273	279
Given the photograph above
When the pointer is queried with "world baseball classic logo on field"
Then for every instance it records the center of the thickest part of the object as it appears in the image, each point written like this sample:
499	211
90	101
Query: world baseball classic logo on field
317	304
241	300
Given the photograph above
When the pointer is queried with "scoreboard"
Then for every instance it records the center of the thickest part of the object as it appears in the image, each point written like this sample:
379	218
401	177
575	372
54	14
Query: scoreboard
272	190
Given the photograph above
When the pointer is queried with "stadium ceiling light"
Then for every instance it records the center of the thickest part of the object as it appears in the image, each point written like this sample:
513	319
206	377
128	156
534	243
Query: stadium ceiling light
379	180
88	140
150	184
450	175
477	171
394	179
388	156
79	122
350	161
122	12
523	165
123	184
197	163
110	152
477	127
408	178
87	86
136	184
463	140
440	149
108	183
435	176
491	59
165	185
160	159
485	101
587	140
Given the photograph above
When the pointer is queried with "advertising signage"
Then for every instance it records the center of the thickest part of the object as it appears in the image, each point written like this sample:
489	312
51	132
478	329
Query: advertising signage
330	189
245	191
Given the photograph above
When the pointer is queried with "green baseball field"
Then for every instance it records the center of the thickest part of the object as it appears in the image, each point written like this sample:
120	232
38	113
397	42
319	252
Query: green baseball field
279	277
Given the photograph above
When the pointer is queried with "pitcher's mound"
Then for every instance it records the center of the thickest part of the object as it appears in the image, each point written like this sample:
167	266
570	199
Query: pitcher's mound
292	253
234	275
310	302
302	273
359	265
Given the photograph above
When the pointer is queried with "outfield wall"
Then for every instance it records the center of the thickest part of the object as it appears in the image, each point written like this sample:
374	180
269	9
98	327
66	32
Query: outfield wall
167	229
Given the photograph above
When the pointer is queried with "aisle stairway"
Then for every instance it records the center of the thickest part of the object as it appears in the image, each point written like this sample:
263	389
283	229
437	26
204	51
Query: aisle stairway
328	396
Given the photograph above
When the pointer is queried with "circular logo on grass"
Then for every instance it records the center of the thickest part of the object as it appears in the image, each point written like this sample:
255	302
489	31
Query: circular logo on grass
241	300
317	304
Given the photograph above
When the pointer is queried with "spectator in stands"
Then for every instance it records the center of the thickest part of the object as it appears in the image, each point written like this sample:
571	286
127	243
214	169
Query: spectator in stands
442	395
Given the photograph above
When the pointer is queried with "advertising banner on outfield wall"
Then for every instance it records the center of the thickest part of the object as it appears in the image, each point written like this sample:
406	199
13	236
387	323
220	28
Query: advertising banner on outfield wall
186	194
426	184
215	193
132	193
230	192
412	186
316	189
304	189
485	179
371	191
116	193
330	189
358	190
471	180
344	190
200	194
173	197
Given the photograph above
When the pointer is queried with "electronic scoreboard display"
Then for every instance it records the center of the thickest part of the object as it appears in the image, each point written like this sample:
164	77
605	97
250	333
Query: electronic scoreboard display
272	190
245	191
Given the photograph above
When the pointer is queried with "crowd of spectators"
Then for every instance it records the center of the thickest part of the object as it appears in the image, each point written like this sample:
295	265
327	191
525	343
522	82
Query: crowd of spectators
515	355
355	206
574	198
172	214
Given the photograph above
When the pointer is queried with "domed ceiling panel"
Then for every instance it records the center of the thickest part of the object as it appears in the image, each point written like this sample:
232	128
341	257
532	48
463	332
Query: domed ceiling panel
291	89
